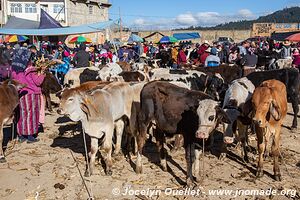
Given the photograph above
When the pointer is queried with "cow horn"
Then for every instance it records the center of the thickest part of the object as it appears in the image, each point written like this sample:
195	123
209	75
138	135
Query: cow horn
275	110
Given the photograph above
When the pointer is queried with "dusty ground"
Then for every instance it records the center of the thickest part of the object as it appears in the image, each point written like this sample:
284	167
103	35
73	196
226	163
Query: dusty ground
47	170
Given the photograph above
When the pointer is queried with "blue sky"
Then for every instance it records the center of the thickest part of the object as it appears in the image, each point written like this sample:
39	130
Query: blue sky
164	14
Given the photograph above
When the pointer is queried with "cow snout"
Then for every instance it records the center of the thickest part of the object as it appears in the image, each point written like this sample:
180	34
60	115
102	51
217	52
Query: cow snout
228	140
200	135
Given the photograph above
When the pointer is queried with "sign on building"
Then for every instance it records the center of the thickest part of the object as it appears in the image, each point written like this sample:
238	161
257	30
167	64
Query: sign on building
266	29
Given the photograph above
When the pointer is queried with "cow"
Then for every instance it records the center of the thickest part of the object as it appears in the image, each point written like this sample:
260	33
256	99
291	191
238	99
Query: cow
72	78
75	77
135	76
228	72
9	100
49	86
239	92
269	109
176	110
100	111
290	77
212	84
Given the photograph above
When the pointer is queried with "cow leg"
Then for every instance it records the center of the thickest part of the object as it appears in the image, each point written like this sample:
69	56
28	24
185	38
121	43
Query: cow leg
141	138
295	102
92	154
107	147
197	164
261	150
160	140
275	153
189	157
48	102
119	127
2	158
178	142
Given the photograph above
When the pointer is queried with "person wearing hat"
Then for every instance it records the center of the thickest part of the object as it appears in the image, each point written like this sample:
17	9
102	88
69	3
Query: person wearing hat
286	50
204	55
249	61
8	52
212	60
82	57
181	57
296	59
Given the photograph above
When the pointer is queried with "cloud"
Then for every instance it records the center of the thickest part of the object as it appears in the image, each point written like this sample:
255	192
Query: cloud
139	21
193	19
186	19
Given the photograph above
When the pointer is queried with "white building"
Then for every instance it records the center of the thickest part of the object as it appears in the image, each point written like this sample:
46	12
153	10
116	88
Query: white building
67	12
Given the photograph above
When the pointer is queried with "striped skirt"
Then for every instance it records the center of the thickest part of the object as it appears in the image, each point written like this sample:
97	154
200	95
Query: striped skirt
28	122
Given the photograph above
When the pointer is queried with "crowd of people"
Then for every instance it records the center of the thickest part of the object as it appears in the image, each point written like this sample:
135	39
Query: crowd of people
18	61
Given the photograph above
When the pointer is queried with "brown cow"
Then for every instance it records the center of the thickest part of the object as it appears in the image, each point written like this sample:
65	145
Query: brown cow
269	103
9	100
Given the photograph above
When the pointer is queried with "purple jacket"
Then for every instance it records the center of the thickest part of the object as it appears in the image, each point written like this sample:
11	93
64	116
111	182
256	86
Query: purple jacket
31	79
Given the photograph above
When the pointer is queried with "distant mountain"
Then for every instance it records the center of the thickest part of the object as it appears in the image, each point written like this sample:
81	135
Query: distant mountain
287	15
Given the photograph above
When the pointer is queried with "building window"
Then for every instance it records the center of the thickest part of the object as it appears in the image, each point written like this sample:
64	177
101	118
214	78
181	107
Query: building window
30	8
16	8
58	8
90	9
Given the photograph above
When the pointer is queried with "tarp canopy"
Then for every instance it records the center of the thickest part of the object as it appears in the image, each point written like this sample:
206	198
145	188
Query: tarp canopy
186	36
88	28
15	22
152	34
46	21
282	35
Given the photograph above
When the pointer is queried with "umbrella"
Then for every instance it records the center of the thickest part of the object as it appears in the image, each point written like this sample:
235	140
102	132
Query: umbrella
168	39
135	38
294	37
16	38
80	39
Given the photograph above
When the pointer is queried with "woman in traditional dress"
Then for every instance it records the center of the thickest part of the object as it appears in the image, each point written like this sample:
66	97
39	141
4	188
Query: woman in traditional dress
30	101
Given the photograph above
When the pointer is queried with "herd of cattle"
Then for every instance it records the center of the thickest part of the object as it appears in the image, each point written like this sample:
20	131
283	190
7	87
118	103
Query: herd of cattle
131	101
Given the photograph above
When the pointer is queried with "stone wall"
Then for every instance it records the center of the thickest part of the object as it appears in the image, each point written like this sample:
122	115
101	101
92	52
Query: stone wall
78	13
210	35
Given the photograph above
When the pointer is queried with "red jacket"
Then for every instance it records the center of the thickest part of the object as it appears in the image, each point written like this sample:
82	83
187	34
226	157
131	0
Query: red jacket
181	58
203	57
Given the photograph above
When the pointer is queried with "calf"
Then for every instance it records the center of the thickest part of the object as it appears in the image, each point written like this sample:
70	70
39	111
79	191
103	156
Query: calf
177	110
9	100
291	79
49	86
99	110
269	103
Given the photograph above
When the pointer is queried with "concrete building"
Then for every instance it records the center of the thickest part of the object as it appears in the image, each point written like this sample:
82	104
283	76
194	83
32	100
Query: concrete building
67	12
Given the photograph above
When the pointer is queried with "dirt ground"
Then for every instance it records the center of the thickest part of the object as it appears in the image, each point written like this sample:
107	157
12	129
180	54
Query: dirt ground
48	170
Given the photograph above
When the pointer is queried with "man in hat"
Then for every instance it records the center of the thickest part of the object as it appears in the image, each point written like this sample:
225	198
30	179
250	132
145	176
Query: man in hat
212	60
286	50
204	55
8	53
82	57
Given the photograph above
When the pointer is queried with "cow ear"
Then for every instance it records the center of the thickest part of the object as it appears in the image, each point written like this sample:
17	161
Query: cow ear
222	115
85	109
275	110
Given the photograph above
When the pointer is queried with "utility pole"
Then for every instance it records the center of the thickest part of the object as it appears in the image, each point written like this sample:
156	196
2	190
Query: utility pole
120	24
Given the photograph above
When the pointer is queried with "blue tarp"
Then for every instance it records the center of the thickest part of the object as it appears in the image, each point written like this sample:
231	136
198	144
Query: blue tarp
46	21
88	28
186	36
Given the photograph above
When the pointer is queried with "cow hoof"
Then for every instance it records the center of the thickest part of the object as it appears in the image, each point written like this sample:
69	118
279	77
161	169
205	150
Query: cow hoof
164	168
259	174
139	169
222	156
277	177
294	130
190	183
109	172
87	173
2	160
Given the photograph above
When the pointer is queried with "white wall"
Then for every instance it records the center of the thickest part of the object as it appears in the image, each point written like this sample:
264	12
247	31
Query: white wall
36	16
